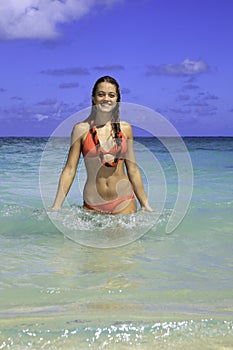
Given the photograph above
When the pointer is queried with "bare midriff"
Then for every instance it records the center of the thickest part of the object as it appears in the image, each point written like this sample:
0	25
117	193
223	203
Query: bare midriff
107	184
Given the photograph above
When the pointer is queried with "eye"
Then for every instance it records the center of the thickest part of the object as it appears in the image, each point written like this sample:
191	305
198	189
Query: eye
100	94
112	95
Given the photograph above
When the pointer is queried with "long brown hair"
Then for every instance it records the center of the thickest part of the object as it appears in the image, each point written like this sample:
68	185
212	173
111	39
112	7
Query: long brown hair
116	111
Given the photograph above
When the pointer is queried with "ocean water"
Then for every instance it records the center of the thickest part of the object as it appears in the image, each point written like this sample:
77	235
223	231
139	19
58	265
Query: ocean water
75	280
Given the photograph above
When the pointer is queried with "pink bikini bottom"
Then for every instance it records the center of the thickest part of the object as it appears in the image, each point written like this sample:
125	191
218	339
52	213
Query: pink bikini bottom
108	207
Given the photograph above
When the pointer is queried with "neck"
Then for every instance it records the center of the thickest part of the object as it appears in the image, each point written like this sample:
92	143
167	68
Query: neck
103	118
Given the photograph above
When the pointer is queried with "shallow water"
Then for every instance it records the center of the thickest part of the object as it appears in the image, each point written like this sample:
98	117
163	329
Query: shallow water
160	290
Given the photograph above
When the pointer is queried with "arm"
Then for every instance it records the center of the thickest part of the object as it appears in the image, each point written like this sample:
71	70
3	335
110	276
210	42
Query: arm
133	171
69	171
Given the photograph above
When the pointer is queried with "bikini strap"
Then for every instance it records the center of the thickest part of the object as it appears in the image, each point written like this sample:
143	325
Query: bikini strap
96	141
94	134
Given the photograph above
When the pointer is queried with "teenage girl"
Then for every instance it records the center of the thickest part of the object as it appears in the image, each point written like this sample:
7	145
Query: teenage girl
107	147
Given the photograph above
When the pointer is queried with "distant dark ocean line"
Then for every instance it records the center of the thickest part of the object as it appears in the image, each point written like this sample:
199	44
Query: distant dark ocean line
136	137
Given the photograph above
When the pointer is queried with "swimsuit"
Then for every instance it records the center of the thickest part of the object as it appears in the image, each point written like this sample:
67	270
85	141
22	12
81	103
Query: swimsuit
108	207
92	148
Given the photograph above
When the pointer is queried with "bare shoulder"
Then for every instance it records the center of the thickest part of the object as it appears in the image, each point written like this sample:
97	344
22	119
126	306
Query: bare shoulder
80	130
127	129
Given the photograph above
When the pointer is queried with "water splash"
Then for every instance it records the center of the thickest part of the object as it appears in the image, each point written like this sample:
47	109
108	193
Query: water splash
101	230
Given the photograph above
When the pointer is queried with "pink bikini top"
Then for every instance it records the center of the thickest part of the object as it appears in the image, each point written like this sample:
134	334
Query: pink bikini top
92	148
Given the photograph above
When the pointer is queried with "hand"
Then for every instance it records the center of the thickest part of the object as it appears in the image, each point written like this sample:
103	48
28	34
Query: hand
54	208
147	207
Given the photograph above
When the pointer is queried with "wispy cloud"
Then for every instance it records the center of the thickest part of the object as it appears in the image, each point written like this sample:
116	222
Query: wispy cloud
190	79
190	86
182	98
197	103
47	102
208	96
68	85
186	68
51	109
41	117
207	110
125	91
109	68
40	19
86	102
202	99
193	106
16	98
66	71
180	110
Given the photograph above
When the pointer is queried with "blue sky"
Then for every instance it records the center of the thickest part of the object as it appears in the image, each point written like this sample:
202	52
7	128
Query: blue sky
174	56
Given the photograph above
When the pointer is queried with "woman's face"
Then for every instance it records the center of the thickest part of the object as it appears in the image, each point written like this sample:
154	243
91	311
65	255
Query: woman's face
105	97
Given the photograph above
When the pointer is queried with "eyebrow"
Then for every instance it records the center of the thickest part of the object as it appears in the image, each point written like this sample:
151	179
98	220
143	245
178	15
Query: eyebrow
110	92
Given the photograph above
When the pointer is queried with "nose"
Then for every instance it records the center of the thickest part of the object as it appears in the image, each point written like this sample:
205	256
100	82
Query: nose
106	97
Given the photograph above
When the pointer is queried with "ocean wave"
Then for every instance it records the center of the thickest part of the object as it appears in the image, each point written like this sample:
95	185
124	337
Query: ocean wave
165	334
79	224
23	220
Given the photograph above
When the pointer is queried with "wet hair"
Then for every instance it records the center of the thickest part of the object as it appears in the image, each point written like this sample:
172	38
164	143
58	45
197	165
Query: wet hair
116	111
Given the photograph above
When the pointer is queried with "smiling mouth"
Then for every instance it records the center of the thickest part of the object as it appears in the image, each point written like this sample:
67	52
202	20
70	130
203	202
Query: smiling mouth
106	104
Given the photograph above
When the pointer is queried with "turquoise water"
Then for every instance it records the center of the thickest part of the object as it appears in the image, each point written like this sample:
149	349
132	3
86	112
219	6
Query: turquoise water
159	291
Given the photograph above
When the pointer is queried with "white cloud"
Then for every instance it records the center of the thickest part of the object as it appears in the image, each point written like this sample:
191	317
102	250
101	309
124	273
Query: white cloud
28	19
41	117
189	67
186	68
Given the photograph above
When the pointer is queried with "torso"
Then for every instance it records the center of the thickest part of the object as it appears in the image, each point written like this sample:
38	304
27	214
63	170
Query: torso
104	183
